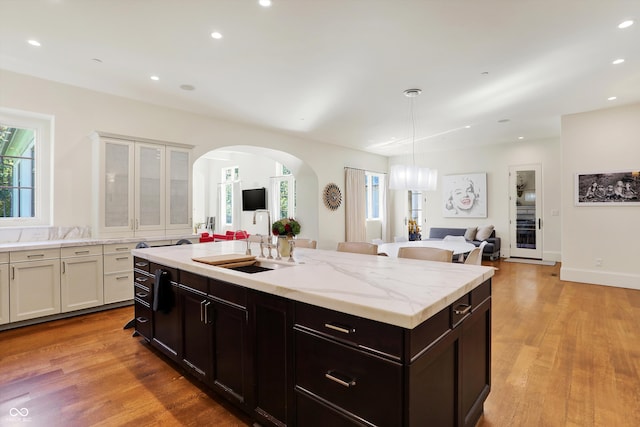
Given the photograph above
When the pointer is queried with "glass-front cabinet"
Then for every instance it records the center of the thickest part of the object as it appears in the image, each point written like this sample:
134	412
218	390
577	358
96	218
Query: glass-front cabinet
141	188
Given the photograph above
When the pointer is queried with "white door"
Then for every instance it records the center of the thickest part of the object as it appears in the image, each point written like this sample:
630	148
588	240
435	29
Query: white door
4	293
81	283
178	186
150	189
34	288
525	218
116	208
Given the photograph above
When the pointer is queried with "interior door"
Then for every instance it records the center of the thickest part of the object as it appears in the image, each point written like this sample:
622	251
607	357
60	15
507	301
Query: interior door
525	218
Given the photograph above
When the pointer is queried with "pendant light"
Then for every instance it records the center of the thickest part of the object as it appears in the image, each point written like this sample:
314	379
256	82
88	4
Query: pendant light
411	177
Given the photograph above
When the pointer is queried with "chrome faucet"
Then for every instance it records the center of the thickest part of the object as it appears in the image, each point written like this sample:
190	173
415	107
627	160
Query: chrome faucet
268	220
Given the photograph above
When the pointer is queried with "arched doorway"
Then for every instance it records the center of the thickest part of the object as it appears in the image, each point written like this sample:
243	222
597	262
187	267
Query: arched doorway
256	167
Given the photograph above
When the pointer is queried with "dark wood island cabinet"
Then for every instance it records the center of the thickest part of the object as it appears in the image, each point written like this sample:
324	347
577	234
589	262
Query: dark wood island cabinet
292	363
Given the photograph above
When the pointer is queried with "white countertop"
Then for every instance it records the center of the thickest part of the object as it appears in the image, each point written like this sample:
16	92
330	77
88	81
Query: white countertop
64	243
401	292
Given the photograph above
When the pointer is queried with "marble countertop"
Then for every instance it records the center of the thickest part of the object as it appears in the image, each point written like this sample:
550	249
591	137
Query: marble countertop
401	292
63	243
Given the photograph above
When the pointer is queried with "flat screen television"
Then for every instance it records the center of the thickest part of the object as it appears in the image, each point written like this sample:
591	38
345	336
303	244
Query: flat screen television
254	199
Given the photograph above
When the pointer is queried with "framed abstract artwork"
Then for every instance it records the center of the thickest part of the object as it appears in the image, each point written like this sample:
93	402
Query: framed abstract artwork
620	188
464	196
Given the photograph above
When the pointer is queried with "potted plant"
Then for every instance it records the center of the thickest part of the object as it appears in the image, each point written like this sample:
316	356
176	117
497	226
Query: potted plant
285	229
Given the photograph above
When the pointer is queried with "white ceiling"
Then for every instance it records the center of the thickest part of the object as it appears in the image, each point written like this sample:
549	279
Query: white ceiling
335	70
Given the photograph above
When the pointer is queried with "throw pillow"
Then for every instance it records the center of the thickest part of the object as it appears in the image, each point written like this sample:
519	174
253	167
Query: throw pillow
484	232
470	234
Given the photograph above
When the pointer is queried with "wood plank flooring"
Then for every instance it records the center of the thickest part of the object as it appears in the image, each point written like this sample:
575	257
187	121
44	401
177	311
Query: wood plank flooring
564	354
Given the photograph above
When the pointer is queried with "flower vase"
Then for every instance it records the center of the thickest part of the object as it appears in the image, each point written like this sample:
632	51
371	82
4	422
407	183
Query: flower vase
285	247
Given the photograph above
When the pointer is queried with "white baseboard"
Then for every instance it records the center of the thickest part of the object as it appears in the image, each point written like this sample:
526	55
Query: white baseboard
597	277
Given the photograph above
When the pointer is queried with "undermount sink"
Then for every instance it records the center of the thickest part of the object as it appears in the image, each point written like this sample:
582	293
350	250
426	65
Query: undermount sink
259	267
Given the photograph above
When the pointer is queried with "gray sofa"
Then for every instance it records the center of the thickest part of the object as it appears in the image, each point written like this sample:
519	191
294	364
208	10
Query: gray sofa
491	249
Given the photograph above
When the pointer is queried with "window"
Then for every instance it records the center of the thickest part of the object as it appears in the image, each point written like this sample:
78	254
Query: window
415	201
25	172
230	176
283	189
374	188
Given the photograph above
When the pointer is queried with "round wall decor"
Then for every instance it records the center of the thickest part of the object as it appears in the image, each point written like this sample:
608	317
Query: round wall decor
332	196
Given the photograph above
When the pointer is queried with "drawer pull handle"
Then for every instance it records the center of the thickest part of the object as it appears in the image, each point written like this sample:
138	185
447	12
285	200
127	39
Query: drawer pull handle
122	258
141	264
141	279
142	294
81	252
340	379
142	319
462	309
35	256
340	328
122	249
122	277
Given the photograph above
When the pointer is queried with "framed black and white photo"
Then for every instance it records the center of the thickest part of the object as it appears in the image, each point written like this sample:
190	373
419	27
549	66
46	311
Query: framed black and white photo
619	188
464	196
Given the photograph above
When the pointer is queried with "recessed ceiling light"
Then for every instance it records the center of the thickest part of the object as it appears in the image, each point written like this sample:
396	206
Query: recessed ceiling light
216	35
618	61
467	126
34	43
612	98
521	137
155	78
625	24
264	3
187	87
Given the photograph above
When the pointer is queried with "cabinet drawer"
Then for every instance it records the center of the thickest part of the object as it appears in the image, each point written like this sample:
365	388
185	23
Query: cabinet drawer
143	280
228	292
173	273
480	294
4	257
34	255
354	330
143	319
194	281
312	413
141	264
118	262
118	287
118	248
362	384
75	251
143	294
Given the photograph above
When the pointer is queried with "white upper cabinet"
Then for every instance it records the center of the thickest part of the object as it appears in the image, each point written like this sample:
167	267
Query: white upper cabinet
178	187
141	188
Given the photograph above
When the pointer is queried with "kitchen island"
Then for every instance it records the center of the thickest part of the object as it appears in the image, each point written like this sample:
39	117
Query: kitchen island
333	338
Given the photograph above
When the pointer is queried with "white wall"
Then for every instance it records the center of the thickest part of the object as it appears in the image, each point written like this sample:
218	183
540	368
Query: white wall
495	160
78	112
604	140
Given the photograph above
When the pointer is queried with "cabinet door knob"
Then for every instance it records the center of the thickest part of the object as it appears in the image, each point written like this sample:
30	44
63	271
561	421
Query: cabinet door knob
343	380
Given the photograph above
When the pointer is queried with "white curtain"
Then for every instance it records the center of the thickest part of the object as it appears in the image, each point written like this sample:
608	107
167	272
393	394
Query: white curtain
237	206
355	205
236	209
386	211
274	198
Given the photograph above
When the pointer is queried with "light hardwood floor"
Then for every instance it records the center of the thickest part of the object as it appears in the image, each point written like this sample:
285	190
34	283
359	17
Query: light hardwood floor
564	354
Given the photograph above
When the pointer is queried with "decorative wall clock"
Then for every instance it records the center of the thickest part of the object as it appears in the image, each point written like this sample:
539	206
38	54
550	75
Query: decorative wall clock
332	196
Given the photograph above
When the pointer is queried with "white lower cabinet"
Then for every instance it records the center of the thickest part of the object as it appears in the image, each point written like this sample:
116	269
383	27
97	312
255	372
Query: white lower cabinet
4	288
118	272
34	284
81	279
